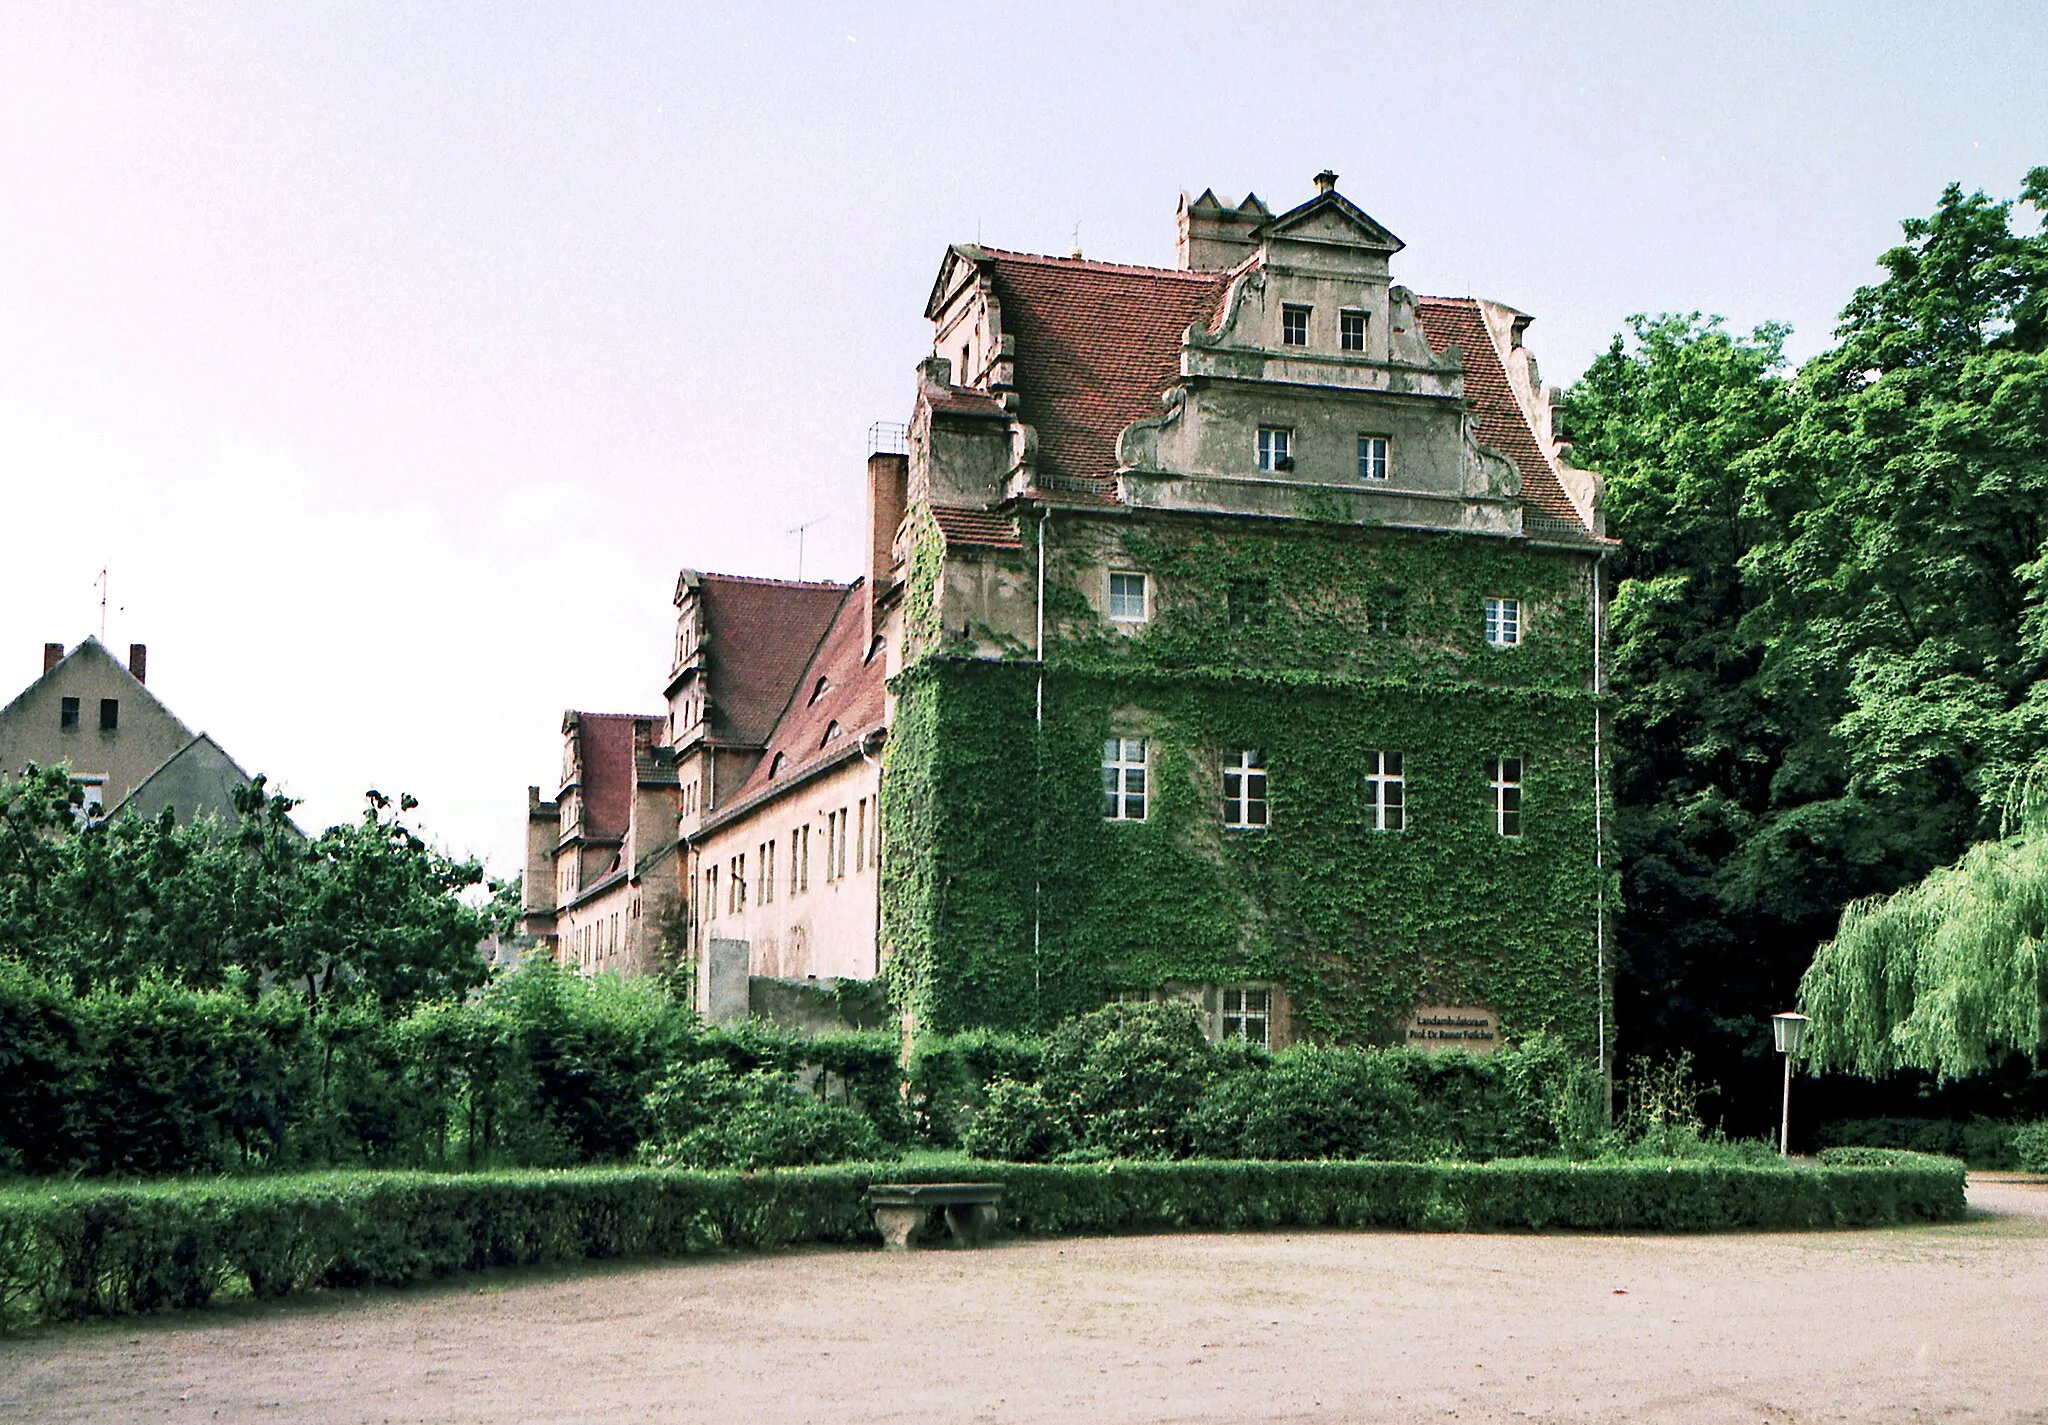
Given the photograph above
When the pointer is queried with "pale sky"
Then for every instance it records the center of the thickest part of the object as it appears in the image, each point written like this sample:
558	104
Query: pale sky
394	358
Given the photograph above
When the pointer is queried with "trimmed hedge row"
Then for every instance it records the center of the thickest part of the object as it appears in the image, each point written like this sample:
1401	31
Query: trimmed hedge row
80	1250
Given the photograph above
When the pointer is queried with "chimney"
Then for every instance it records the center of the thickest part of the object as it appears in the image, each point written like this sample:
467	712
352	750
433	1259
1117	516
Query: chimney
1214	237
138	661
53	654
1326	182
888	493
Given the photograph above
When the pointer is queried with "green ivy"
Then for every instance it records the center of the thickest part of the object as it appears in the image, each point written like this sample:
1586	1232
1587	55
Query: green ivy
1024	906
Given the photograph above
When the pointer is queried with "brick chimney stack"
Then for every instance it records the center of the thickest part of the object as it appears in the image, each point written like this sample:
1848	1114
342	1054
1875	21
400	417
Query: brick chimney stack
53	654
138	661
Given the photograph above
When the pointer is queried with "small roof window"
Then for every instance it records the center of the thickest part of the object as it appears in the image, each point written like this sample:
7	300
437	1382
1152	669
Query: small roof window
821	687
775	767
832	731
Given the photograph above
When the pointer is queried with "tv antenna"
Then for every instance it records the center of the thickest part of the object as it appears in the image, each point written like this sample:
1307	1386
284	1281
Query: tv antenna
798	531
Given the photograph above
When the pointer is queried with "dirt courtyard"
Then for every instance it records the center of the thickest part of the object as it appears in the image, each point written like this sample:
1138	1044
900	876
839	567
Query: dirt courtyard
1904	1324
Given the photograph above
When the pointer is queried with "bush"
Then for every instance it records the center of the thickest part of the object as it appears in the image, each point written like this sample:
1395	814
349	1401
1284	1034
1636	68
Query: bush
76	1251
1017	1124
1315	1103
2030	1146
706	1116
1124	1078
950	1075
1981	1142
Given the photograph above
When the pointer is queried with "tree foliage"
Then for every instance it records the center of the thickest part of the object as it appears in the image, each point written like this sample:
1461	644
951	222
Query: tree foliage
1829	629
365	911
1945	975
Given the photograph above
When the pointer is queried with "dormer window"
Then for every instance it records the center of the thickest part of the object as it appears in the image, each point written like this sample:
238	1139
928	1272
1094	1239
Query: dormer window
832	731
820	688
1294	325
1351	329
1276	448
775	767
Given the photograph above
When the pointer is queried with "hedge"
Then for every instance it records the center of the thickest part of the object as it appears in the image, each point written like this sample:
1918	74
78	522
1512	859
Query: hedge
81	1250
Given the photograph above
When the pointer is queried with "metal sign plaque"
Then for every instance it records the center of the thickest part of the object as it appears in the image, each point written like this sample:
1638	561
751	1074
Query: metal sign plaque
1473	1028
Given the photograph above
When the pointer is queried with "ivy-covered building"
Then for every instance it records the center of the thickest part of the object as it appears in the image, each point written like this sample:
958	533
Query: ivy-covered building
1243	631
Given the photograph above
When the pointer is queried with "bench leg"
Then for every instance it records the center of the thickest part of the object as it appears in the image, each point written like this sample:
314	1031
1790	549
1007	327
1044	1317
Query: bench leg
900	1226
971	1225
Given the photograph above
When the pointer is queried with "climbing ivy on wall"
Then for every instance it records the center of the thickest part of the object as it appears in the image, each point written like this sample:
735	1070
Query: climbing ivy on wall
1360	926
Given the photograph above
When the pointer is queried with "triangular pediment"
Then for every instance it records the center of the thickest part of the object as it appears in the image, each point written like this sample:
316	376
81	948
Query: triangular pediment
959	258
1332	218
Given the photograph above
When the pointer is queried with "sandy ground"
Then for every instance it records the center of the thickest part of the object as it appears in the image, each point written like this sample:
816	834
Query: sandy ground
1947	1323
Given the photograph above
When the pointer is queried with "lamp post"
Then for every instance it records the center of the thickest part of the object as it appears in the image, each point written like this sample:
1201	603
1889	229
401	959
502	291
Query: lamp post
1790	1032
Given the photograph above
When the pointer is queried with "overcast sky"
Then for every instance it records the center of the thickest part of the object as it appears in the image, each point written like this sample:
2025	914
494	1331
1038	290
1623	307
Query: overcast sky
394	358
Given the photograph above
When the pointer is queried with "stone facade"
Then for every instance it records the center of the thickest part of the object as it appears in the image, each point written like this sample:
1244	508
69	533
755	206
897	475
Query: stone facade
1230	632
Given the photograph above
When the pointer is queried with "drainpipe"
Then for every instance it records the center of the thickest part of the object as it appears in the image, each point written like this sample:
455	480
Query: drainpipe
1600	837
1038	772
876	737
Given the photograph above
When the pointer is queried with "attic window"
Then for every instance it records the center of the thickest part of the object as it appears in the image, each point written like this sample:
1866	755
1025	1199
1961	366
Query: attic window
775	767
67	714
832	731
820	688
110	714
1294	325
874	647
1351	330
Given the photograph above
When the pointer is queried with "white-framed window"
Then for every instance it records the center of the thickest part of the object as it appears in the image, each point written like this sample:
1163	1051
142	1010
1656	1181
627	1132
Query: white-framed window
1294	325
736	883
91	799
839	869
1506	777
1276	448
1247	1013
1387	790
799	857
1123	779
1503	622
711	893
1351	329
1372	457
1244	789
860	835
766	854
1129	596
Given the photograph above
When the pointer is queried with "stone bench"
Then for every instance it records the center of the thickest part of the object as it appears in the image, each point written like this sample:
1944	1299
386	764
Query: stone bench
904	1212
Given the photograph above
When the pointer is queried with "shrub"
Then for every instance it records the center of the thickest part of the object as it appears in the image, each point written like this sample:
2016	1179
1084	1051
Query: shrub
2030	1146
1314	1103
949	1075
1981	1142
76	1251
1016	1123
706	1116
1123	1078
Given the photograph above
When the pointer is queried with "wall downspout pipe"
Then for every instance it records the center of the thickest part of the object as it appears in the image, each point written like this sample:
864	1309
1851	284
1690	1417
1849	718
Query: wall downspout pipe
1600	833
1038	770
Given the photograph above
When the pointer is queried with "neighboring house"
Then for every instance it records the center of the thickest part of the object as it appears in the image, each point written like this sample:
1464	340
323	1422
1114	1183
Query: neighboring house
127	752
1230	632
601	856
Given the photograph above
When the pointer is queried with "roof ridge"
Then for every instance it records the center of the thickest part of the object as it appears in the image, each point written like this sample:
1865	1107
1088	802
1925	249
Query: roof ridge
764	581
1093	264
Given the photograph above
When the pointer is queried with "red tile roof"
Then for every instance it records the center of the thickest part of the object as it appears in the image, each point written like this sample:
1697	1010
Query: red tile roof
759	634
1096	344
976	527
604	747
840	684
1496	415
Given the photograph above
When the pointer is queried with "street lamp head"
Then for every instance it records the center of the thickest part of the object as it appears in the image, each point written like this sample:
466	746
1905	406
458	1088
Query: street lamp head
1790	1031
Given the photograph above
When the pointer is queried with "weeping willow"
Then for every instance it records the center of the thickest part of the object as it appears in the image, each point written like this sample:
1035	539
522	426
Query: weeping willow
1944	975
